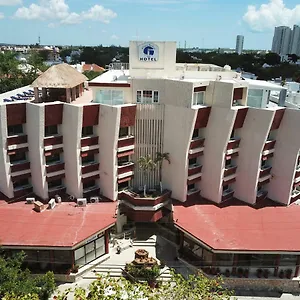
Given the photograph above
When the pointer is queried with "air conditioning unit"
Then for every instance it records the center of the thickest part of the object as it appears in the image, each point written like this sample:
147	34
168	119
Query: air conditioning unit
30	200
51	203
57	199
81	202
71	198
94	199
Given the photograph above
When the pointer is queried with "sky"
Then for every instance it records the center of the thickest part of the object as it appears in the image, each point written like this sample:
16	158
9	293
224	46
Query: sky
201	23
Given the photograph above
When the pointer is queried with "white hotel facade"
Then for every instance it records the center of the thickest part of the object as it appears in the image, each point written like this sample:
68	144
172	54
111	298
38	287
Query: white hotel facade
219	146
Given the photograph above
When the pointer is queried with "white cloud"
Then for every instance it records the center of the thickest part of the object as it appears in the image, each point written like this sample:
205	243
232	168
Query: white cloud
60	11
1	15
114	37
10	2
272	14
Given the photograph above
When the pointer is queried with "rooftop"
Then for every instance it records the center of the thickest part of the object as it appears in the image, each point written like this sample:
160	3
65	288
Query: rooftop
64	226
235	226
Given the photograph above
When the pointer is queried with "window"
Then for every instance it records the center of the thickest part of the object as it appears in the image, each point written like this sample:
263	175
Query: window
191	186
225	188
192	161
124	131
20	183
110	97
224	259
51	130
195	133
14	129
147	97
52	159
198	98
87	160
255	98
123	186
89	184
18	157
54	183
263	163
228	162
288	260
87	131
232	134
123	160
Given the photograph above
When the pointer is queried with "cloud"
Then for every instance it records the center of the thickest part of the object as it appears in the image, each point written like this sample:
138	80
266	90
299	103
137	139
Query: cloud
58	10
114	37
10	2
1	15
272	14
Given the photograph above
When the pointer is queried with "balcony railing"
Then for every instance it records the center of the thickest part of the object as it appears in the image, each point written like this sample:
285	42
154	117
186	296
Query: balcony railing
194	169
297	173
264	171
53	140
56	190
22	191
269	145
233	143
91	167
19	166
54	167
192	193
261	195
197	143
91	191
126	141
125	168
229	170
89	141
264	180
16	140
228	194
295	196
194	178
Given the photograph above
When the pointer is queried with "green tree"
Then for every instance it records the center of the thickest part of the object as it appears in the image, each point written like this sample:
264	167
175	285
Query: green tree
147	165
178	288
159	159
16	283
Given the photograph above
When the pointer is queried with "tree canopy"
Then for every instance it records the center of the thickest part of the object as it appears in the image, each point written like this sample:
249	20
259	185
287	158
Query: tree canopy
18	284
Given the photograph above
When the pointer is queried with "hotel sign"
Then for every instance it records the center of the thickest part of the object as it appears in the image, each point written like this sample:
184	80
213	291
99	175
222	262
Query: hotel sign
148	52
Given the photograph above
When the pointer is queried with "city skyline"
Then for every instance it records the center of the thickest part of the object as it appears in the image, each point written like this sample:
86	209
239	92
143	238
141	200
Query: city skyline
116	22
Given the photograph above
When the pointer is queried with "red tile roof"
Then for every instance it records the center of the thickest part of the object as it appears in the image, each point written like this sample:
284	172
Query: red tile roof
64	226
92	67
241	227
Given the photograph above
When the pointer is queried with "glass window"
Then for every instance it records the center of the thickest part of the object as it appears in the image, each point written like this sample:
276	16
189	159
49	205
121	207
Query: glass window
139	96
20	183
288	260
14	129
51	130
224	259
87	131
124	131
225	188
255	98
123	160
90	247
117	97
191	186
147	97
18	157
228	162
89	184
87	159
195	133
198	98
110	97
155	97
52	159
79	253
54	183
63	256
192	161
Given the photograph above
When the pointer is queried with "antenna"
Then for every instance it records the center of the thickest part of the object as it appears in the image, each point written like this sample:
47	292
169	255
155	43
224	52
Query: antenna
39	40
184	44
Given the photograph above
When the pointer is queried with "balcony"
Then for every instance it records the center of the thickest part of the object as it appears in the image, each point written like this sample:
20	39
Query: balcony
53	140
197	143
91	167
233	143
23	191
264	171
125	168
196	152
261	195
55	176
125	142
91	191
229	170
194	169
269	145
229	179
264	180
89	141
192	193
297	173
16	140
20	166
194	178
228	194
56	190
55	167
90	176
295	196
19	176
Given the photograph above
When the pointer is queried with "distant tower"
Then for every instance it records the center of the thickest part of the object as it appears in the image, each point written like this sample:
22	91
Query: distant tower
282	40
184	44
239	44
39	40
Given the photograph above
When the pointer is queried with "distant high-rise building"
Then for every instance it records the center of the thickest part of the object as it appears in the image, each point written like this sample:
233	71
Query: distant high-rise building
282	40
295	41
239	44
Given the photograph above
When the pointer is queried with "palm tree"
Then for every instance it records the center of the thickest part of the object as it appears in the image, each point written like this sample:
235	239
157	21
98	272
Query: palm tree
146	164
160	158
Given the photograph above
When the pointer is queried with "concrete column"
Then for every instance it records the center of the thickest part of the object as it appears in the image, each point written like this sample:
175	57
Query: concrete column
282	97
277	263
73	94
68	95
36	95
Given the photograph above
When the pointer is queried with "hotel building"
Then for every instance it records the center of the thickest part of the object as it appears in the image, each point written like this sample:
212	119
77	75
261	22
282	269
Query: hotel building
226	143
